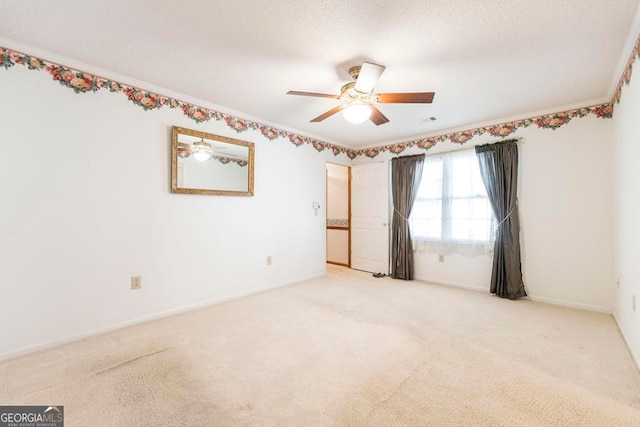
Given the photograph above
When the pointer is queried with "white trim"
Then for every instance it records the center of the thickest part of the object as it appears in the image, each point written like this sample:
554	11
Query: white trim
625	54
635	359
493	122
140	84
589	307
545	300
148	318
453	284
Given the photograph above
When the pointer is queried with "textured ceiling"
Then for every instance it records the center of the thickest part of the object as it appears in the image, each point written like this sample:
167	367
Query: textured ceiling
485	59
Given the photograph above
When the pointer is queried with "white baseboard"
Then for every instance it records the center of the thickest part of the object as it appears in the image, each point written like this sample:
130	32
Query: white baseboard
599	309
454	284
635	357
144	319
590	307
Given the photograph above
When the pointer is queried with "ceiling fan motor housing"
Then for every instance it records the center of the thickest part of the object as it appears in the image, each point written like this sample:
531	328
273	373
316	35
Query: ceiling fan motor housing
354	72
348	92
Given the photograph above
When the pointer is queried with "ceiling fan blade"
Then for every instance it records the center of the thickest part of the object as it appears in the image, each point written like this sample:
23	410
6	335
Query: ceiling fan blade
320	95
329	113
368	77
377	117
405	98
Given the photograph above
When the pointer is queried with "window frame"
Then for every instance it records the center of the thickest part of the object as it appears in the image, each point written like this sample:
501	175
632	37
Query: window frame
446	198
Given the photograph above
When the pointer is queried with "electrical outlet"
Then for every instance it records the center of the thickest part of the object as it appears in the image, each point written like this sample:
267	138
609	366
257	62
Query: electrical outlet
136	282
269	260
440	258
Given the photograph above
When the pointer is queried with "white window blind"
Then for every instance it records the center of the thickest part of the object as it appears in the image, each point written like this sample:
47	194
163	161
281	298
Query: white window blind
452	212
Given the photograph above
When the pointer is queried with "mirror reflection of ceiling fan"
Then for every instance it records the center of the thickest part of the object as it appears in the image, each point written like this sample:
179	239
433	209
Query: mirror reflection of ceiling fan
360	99
203	151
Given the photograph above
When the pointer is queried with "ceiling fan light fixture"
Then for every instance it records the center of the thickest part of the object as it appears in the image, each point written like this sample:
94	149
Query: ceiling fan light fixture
357	113
201	150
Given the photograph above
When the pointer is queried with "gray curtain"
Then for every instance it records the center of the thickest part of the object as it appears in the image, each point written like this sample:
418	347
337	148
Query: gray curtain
499	170
406	173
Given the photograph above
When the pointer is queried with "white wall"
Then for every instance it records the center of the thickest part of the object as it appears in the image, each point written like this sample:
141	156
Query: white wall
567	214
337	191
338	246
85	205
565	181
627	221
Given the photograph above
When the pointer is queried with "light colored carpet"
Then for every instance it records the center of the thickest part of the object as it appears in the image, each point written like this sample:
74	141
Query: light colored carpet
345	350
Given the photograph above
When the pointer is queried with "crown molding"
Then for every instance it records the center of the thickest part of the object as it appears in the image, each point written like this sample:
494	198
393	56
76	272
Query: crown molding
83	78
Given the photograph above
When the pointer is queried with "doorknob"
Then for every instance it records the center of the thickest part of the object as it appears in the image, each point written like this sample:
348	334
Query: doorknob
384	224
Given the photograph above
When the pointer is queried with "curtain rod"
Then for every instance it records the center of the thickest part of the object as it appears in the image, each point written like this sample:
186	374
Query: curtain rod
518	140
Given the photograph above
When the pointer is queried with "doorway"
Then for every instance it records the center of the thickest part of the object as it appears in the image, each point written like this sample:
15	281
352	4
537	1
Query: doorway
338	181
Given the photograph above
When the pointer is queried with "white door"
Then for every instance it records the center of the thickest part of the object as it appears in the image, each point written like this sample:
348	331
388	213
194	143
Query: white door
370	217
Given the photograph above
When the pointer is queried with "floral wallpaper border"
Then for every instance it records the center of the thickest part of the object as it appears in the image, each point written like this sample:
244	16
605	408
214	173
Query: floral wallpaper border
549	121
82	82
337	222
626	73
224	160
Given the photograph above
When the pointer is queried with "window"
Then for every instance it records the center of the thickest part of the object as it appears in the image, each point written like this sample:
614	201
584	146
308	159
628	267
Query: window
452	204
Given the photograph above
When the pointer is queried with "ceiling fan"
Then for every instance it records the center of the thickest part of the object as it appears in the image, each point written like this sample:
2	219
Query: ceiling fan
360	99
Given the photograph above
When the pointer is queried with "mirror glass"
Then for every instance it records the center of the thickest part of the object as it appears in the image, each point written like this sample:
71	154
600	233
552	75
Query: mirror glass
204	163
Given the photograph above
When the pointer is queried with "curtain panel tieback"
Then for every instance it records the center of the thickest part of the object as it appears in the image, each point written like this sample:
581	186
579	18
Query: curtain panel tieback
401	216
508	215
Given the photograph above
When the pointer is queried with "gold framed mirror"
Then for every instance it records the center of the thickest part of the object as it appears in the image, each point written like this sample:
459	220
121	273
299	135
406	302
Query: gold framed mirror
204	163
